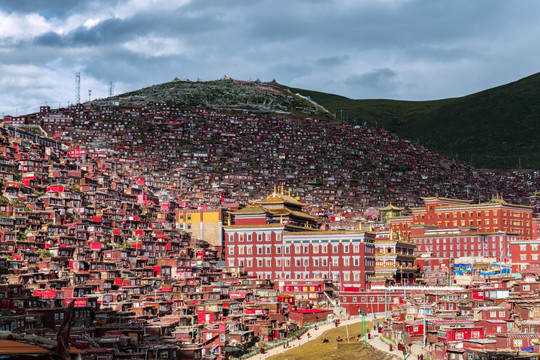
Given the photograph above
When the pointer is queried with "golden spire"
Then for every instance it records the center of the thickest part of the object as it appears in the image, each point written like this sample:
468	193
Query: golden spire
229	219
274	188
289	191
281	219
281	189
370	227
360	226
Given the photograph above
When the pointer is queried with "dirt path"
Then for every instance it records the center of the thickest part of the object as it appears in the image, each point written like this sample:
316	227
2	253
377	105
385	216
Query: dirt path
304	339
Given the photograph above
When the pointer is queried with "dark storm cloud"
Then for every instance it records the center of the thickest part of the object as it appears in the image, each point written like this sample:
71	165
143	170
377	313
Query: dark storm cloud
117	30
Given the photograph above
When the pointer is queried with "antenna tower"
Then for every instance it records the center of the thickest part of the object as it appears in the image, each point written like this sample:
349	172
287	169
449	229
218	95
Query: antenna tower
89	95
78	88
111	89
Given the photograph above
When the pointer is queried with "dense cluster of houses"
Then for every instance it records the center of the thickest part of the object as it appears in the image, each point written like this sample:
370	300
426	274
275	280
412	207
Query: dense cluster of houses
142	286
495	319
147	220
220	158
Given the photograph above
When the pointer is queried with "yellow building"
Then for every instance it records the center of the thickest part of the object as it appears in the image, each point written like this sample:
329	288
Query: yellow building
204	224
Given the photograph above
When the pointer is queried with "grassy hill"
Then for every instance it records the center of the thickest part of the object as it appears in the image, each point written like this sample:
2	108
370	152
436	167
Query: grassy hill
497	128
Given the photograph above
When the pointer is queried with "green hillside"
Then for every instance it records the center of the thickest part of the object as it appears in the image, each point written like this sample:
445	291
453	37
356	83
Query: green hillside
497	128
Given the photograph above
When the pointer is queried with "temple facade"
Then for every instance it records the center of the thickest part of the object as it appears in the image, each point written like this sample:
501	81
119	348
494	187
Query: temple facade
274	239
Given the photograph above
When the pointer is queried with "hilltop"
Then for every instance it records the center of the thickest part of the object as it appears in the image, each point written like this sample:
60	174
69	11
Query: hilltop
227	94
497	128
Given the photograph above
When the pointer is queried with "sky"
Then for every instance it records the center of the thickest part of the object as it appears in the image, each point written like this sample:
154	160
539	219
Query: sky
362	49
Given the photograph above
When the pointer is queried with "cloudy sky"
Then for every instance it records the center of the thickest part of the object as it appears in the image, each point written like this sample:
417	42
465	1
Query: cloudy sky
397	49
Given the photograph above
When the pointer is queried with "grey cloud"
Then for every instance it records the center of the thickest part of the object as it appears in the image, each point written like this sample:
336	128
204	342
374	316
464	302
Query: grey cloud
332	61
54	8
378	79
305	43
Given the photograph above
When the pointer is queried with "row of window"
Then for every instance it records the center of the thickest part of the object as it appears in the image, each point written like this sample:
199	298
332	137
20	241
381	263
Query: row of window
458	247
249	237
363	299
300	249
315	262
469	253
457	240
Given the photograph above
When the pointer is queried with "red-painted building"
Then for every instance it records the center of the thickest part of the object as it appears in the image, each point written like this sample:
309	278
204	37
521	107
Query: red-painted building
275	239
369	302
460	333
448	214
456	243
525	255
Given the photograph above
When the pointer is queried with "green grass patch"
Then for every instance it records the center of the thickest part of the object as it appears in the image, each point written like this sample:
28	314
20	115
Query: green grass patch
317	350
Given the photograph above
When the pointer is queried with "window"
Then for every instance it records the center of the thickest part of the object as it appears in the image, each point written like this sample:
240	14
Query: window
346	249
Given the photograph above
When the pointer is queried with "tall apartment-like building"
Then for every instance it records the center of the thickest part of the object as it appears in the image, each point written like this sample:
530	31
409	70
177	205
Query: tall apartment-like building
275	239
204	224
452	228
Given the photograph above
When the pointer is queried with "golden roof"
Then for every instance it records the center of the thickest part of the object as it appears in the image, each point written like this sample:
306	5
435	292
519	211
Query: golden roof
446	199
277	198
391	208
251	210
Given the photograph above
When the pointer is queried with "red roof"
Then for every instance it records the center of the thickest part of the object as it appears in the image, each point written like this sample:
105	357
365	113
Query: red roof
311	311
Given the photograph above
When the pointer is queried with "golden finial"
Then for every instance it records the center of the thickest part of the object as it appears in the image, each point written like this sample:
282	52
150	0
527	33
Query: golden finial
281	189
391	234
370	227
274	188
289	191
229	219
281	219
360	226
